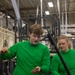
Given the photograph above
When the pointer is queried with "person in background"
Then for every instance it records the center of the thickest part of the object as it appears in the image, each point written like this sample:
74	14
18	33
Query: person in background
33	58
68	54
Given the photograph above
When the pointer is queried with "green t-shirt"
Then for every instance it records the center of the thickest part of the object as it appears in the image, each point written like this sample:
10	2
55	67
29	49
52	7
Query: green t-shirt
57	67
28	57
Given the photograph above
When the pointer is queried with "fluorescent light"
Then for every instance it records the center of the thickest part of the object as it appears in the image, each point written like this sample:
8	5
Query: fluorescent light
23	25
47	13
50	4
8	16
73	38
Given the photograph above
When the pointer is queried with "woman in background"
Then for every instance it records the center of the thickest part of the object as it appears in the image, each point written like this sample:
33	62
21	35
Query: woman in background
68	54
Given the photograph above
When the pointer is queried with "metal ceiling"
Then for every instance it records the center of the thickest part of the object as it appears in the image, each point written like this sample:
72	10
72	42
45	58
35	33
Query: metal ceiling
28	7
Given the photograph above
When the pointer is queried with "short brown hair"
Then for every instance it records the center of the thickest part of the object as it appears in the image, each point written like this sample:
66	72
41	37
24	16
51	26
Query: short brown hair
36	29
66	38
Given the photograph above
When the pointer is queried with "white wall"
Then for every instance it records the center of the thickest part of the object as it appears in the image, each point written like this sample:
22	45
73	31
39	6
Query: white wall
6	35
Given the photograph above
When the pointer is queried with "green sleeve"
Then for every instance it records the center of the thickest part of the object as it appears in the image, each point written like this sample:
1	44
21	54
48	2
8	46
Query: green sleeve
5	56
54	66
46	61
11	53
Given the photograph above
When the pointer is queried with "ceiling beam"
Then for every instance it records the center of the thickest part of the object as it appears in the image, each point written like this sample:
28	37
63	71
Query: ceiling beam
5	11
22	9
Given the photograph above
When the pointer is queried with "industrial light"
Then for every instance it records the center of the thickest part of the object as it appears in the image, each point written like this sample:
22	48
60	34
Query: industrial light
73	38
8	16
47	13
50	4
23	25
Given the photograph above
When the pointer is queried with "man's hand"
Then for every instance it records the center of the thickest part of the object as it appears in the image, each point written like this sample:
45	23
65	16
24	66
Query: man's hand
4	50
36	70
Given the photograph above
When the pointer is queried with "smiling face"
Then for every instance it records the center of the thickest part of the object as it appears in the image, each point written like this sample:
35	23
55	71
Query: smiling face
63	45
34	38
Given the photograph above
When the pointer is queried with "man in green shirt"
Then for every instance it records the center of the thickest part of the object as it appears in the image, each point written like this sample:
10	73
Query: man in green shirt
33	58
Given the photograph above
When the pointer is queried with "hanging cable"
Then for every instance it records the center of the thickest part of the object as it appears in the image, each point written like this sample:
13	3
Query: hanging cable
37	11
41	5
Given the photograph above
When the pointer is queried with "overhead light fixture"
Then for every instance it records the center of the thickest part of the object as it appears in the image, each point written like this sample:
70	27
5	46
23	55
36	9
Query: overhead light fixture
50	4
23	25
8	16
47	13
73	38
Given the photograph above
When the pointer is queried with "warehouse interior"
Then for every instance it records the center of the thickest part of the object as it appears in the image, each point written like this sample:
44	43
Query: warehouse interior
16	16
